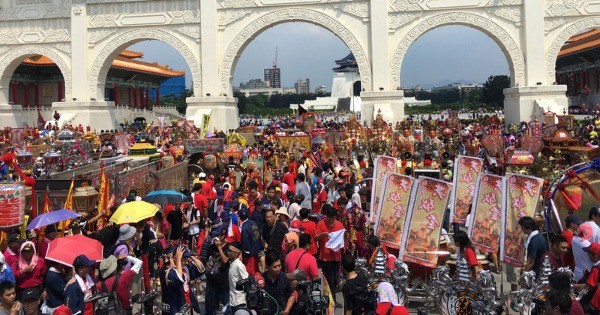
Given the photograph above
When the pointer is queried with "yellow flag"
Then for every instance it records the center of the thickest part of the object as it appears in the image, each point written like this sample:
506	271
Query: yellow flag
205	122
69	201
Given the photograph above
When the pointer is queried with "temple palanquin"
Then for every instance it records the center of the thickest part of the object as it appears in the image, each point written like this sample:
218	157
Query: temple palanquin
578	64
39	82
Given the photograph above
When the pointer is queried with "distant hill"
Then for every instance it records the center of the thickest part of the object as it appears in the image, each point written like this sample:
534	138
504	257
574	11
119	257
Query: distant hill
428	86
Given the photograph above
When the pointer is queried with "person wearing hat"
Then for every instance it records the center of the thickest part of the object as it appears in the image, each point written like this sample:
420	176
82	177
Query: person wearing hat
11	254
124	246
237	272
30	300
591	300
80	287
50	234
572	223
62	310
283	215
251	242
30	269
8	297
123	279
581	240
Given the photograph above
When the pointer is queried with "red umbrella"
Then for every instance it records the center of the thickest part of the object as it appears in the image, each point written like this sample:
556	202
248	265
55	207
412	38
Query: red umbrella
63	250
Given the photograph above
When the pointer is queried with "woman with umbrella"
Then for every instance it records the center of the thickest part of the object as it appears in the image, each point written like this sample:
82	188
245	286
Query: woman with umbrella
29	270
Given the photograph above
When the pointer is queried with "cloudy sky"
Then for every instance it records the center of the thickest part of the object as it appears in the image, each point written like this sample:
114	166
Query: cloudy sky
444	55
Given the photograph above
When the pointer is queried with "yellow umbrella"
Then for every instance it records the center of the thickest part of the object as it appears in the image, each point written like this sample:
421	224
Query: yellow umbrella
134	211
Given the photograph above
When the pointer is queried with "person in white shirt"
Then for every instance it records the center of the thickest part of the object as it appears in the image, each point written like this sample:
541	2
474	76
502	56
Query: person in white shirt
580	241
237	272
594	220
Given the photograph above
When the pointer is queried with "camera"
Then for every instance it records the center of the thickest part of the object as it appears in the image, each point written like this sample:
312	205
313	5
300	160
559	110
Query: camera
256	298
312	301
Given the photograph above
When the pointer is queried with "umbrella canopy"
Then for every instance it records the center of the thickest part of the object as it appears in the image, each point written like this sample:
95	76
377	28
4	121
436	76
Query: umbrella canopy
134	211
163	197
63	250
51	218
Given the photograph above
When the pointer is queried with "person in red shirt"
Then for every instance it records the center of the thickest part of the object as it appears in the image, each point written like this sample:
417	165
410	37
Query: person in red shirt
387	301
320	198
330	258
466	251
110	274
301	259
309	227
11	254
289	179
557	251
572	223
593	252
200	200
30	269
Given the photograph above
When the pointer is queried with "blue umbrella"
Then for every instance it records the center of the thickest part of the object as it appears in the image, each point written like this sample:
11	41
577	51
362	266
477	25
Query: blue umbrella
51	218
163	197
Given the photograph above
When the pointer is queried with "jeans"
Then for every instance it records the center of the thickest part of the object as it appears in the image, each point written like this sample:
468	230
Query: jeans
331	270
213	296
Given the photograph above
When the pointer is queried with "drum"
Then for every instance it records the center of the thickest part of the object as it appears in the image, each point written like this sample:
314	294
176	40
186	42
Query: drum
460	298
484	264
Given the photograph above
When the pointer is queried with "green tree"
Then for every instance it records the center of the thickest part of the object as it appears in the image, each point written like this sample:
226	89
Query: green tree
493	89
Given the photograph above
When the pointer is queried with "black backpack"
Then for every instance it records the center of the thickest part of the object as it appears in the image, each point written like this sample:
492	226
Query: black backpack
366	299
108	303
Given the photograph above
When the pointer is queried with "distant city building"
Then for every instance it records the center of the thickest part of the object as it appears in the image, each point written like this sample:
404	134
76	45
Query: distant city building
302	86
273	77
462	88
267	91
320	90
253	84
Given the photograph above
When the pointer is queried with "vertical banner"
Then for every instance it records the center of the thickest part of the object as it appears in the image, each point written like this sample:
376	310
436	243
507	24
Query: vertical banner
466	170
205	122
17	137
488	213
12	205
522	196
383	165
395	198
424	221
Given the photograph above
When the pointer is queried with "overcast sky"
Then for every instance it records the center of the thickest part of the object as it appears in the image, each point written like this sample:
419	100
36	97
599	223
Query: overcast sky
444	55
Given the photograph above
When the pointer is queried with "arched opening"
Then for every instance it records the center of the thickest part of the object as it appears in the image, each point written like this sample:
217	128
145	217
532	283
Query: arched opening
36	82
127	69
278	69
148	74
356	87
578	67
475	70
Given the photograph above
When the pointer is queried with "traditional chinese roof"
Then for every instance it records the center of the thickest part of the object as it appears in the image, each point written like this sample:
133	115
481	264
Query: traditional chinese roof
126	60
346	64
583	47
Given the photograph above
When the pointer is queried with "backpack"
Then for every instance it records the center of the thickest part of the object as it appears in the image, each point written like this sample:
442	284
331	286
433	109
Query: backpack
365	299
109	303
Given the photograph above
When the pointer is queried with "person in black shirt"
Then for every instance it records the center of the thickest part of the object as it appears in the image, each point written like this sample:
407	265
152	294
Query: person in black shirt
273	232
109	236
175	219
357	282
258	215
277	285
217	276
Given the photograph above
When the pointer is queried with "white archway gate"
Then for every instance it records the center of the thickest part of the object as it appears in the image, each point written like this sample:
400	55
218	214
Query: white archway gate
83	36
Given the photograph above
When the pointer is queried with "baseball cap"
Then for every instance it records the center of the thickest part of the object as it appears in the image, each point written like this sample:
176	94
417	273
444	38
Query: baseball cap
62	310
30	294
82	261
15	238
243	213
573	219
594	249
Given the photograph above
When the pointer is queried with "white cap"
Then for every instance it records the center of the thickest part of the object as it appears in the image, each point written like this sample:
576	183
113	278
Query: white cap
202	175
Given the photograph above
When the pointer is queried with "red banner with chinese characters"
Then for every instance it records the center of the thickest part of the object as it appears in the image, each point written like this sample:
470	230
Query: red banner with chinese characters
384	165
522	196
395	198
488	213
424	221
12	205
466	170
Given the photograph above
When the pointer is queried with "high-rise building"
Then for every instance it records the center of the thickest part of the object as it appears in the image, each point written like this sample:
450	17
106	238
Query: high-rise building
273	76
253	84
302	86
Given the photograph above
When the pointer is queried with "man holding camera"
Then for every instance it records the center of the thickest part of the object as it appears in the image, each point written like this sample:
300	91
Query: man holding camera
237	272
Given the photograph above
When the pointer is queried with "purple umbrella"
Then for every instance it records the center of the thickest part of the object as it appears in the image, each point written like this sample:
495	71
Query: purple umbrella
51	218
